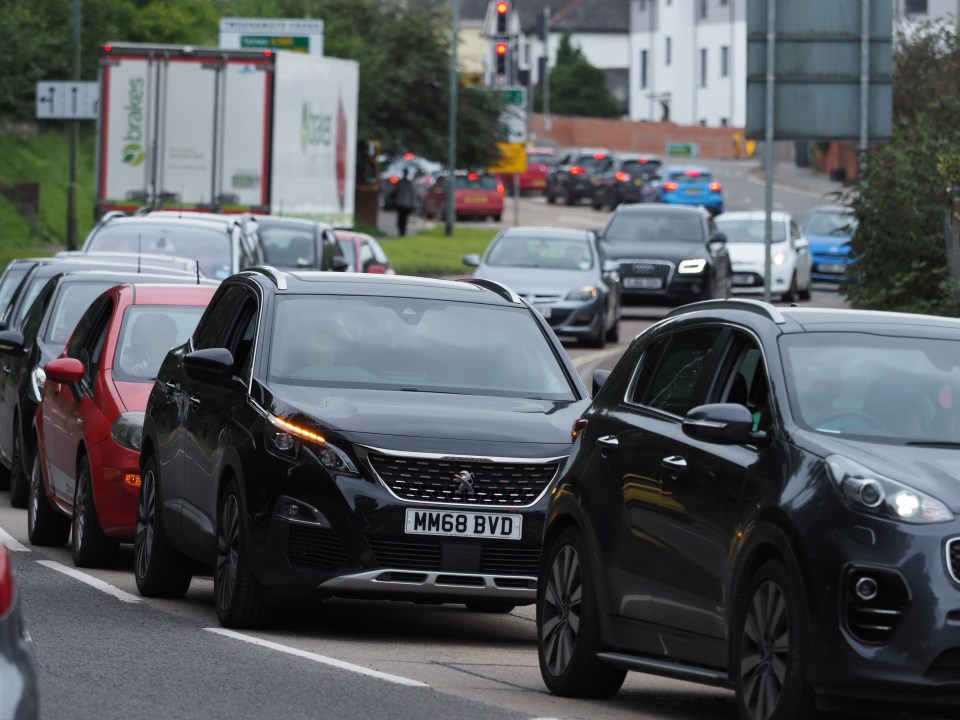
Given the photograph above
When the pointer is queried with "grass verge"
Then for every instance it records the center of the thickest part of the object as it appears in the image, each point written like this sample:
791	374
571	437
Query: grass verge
432	253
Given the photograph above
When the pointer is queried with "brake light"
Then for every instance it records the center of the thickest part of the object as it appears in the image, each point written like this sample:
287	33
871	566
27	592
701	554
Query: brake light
579	425
267	53
472	176
670	185
394	179
693	173
599	156
6	582
408	156
107	48
500	188
715	186
576	170
622	176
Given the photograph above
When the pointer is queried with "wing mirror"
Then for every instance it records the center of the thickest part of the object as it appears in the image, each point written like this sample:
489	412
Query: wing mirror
339	264
599	378
209	365
64	370
721	423
473	260
718	239
11	342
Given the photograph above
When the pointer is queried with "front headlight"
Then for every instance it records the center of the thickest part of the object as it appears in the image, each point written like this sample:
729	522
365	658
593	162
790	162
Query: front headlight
127	430
691	267
587	292
37	379
869	492
283	438
779	259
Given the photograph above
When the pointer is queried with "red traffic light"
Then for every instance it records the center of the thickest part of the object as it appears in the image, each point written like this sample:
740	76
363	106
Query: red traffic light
503	8
501	48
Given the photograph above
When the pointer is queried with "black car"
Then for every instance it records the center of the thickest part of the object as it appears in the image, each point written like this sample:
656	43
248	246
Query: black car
629	179
668	255
31	339
571	178
295	243
766	499
354	435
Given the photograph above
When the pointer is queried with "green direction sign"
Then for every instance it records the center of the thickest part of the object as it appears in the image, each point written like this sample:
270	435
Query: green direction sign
678	149
515	95
271	42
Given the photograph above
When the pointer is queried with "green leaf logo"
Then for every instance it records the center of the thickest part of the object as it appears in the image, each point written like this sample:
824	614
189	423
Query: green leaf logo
132	155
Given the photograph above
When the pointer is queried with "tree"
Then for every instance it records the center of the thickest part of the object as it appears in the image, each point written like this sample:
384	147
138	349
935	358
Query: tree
577	87
903	199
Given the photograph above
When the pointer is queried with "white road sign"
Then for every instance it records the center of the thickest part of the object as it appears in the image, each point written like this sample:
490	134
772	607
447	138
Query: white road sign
58	100
513	119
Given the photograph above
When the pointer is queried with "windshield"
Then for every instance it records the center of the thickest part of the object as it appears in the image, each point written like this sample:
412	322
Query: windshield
210	247
654	226
593	163
750	231
535	158
860	385
540	252
288	247
67	307
690	176
147	334
637	168
830	222
384	343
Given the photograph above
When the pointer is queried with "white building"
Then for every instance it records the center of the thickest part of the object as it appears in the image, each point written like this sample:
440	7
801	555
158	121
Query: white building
688	57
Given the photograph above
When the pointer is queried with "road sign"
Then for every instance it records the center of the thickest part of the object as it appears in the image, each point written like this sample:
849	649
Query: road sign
58	100
682	149
299	35
513	119
513	159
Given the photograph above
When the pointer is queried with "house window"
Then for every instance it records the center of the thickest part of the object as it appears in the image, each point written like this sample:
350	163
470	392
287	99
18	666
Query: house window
724	61
703	67
643	68
669	53
703	8
915	7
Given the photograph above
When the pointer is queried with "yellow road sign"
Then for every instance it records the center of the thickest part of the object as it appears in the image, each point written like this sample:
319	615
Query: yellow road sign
513	159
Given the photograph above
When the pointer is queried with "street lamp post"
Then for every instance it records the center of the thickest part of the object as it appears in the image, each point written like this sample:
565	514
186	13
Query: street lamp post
452	157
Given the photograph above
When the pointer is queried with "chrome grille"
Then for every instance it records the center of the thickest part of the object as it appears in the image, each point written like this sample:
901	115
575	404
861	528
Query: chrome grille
494	483
645	268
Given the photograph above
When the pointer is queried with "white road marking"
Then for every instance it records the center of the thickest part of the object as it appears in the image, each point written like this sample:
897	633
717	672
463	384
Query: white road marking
13	545
91	581
317	658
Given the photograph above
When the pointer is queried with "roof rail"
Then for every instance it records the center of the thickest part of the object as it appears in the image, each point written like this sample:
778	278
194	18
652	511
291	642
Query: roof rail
755	306
271	272
111	214
499	288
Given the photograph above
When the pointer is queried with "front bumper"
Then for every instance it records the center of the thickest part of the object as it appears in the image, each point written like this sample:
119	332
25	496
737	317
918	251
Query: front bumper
574	319
748	279
830	268
116	487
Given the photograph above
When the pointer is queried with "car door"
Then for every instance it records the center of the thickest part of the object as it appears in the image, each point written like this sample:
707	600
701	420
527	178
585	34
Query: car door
804	261
68	409
217	412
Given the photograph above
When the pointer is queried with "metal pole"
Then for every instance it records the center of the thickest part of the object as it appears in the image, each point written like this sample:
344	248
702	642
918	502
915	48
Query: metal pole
864	83
547	120
768	145
452	157
516	199
74	139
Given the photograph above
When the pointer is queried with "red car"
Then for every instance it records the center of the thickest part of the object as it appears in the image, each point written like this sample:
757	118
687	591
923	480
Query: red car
534	180
476	195
363	253
89	422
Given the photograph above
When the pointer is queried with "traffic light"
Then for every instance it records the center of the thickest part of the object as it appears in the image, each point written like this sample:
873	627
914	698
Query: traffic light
502	51
503	8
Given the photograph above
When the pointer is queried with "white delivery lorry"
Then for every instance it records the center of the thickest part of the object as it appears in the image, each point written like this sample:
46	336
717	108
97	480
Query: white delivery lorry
232	131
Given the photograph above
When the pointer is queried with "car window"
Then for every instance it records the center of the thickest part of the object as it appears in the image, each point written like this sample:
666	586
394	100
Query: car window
475	182
212	329
349	254
558	254
671	384
68	306
750	231
86	344
654	225
30	292
746	384
147	333
435	346
535	158
594	162
211	247
636	168
286	247
693	176
11	279
378	254
831	223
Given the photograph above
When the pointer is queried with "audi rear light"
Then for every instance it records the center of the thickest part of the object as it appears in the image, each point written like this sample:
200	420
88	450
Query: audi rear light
579	425
6	581
716	187
670	185
622	177
576	170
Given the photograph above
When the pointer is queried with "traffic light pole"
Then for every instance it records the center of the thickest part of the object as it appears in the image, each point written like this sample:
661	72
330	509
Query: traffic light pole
452	157
74	139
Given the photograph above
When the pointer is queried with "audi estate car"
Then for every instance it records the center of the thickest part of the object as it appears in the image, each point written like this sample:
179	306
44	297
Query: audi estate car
765	499
354	435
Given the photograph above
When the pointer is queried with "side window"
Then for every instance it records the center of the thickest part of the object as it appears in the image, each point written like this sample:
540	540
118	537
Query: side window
366	255
747	383
243	330
378	254
33	320
211	331
671	383
86	344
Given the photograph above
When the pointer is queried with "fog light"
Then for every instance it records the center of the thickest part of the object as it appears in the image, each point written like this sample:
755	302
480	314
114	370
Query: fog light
866	588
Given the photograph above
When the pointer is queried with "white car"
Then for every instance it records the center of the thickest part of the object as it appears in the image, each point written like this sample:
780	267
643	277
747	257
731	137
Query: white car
790	260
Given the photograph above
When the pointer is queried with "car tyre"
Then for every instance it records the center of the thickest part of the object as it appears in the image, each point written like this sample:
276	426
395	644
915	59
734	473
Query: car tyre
613	333
551	198
497	217
45	526
568	623
767	648
791	294
160	571
805	293
91	548
19	482
490	606
570	198
240	600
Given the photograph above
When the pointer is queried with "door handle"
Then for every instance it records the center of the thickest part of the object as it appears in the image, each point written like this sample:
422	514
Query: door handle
170	388
194	400
675	463
607	444
6	369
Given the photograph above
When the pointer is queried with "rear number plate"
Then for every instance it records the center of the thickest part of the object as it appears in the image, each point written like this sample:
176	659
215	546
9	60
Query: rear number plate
643	283
493	526
742	280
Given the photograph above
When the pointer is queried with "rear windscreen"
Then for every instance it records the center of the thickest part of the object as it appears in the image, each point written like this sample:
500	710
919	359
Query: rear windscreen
480	182
211	248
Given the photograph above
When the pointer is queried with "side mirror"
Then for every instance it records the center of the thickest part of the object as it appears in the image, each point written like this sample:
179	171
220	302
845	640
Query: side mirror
11	342
473	260
64	370
611	266
718	239
721	423
339	264
209	365
599	378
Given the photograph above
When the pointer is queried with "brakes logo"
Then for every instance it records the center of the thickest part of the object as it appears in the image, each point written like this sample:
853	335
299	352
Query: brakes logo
133	138
315	128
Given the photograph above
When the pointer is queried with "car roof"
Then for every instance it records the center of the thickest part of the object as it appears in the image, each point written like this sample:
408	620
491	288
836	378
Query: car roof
124	276
642	208
353	235
59	265
776	215
282	221
557	232
166	217
159	293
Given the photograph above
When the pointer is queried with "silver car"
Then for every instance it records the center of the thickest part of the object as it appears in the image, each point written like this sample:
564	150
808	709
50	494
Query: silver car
18	674
561	272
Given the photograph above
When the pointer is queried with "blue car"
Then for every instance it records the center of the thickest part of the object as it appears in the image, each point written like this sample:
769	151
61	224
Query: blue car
829	229
691	185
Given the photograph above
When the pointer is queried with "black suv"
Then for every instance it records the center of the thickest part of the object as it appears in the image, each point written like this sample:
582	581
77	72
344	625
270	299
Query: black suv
629	179
324	434
766	499
668	255
298	244
571	178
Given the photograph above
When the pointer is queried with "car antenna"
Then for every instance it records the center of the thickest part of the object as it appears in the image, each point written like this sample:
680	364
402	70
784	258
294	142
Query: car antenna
198	272
139	239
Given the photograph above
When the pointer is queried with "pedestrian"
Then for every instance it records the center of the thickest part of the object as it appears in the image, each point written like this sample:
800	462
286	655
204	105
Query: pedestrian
403	199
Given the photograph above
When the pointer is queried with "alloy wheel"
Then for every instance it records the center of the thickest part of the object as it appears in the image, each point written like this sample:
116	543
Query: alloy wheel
561	609
80	509
228	550
764	651
146	520
34	500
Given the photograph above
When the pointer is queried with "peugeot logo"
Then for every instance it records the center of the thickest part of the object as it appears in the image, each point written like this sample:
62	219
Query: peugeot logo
465	488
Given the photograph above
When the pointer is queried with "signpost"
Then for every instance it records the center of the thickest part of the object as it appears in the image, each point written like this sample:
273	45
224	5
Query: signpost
513	159
513	129
304	35
60	100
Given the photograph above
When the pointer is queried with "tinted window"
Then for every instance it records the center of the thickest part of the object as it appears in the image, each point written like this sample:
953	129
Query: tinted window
34	285
147	333
210	247
289	247
349	254
212	330
535	158
71	302
11	278
593	164
673	381
691	176
434	347
654	225
560	254
478	182
750	230
640	169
